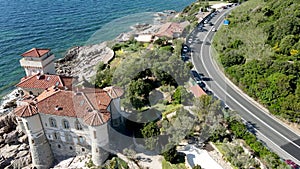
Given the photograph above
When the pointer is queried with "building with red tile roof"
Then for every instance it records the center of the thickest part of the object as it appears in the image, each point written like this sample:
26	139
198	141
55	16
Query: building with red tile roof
37	61
84	112
62	121
36	84
170	30
34	52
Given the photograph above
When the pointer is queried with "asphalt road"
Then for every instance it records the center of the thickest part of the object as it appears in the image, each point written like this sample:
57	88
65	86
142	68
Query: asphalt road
275	135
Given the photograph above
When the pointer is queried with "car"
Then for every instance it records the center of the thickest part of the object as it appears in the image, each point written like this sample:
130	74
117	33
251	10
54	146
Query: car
201	84
213	29
197	79
205	22
292	164
194	73
185	49
200	28
250	127
184	57
210	24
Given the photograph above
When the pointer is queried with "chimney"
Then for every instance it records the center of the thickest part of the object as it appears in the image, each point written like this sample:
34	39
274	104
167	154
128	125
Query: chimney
57	108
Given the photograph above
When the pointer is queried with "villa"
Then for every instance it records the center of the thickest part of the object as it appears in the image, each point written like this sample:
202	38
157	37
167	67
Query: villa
61	120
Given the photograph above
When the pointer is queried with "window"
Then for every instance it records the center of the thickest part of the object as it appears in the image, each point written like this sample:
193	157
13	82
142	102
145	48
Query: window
52	122
71	148
78	125
68	137
95	135
32	141
65	124
81	139
58	146
56	135
83	149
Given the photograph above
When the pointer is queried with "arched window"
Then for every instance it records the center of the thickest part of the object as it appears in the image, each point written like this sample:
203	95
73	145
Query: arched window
81	139
78	125
65	124
68	137
52	122
56	135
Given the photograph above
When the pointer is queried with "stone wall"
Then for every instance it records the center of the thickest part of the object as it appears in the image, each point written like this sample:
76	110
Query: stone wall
42	156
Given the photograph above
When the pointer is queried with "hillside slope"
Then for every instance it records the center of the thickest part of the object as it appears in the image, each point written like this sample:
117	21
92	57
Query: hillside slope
260	51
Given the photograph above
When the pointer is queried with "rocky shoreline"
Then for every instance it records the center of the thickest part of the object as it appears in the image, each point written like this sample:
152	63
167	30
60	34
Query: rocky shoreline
14	147
79	61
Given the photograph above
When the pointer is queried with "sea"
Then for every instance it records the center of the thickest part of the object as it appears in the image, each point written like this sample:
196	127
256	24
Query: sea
62	24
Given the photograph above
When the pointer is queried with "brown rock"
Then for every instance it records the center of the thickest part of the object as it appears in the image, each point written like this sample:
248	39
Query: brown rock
23	139
12	137
4	129
22	154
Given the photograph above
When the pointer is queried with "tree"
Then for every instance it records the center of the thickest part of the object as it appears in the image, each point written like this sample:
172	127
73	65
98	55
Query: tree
150	133
170	154
104	76
231	58
181	96
150	130
197	167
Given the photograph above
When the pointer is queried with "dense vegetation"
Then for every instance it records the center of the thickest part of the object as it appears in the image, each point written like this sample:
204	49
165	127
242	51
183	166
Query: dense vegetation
226	127
260	51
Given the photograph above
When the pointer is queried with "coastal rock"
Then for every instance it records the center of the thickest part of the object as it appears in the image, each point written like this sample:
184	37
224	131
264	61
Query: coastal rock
14	148
21	162
22	154
23	147
4	129
82	61
8	120
12	137
23	139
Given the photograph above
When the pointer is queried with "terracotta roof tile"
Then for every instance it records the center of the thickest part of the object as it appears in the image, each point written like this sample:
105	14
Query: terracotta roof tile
197	90
34	52
97	97
96	118
26	110
114	91
81	104
44	81
169	28
57	103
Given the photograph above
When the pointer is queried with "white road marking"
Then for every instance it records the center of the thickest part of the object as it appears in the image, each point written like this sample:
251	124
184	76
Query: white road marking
238	102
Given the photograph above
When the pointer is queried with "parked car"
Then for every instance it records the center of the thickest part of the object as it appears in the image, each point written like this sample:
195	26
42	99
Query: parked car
213	29
292	164
185	49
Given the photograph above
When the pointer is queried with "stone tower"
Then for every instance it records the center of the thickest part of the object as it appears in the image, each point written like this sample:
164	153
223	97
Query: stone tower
99	121
37	61
42	157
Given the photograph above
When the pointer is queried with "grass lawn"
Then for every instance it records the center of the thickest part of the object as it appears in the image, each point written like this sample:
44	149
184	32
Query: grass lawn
168	165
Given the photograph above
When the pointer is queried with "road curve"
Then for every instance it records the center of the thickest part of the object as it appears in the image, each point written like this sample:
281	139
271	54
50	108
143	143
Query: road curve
276	136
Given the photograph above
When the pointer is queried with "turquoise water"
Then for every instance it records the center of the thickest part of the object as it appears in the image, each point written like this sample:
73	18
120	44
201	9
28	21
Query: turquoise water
61	24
